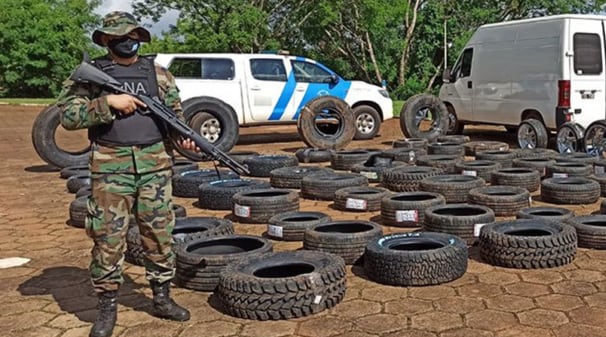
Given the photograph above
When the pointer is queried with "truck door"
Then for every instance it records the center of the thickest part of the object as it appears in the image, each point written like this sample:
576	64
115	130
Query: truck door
460	94
269	89
587	77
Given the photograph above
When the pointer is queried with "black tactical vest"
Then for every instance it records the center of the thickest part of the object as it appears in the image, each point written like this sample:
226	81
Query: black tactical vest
133	129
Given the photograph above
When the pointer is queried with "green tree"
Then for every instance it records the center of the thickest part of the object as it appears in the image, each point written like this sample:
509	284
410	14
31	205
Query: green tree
40	43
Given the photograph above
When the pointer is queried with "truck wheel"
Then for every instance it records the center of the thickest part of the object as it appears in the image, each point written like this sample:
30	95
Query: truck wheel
424	116
532	134
319	112
214	120
45	144
594	138
570	138
455	127
368	122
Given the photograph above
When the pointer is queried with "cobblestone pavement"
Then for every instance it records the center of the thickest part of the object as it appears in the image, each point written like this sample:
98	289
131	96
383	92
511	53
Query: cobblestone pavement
51	295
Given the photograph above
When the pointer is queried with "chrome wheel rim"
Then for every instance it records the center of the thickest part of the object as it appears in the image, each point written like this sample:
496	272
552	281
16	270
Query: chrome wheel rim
211	129
527	137
365	123
567	140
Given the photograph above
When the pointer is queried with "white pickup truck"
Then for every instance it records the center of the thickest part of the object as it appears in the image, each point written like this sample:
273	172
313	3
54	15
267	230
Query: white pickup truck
221	92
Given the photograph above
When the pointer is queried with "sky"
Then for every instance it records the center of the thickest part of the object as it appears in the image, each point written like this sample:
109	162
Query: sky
168	19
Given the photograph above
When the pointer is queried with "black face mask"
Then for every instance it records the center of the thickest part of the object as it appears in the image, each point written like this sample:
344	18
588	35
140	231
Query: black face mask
124	47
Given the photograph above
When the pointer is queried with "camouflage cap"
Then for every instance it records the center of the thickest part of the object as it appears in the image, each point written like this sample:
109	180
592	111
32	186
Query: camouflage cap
120	23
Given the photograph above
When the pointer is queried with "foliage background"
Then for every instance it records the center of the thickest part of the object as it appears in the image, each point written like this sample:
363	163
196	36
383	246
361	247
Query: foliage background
372	40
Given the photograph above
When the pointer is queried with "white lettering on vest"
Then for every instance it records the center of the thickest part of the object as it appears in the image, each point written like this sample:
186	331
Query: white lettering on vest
134	87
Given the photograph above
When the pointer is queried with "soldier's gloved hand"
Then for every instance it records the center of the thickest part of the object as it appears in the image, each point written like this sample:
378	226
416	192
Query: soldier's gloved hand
124	103
188	144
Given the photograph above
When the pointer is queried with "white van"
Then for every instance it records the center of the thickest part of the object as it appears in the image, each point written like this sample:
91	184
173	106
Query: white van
534	75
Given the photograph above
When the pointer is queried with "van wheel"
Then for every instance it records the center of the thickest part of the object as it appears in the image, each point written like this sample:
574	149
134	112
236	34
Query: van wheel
532	134
325	111
424	116
570	138
212	119
368	122
595	142
455	127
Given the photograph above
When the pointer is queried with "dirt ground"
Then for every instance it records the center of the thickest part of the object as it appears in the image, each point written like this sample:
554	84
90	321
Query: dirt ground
51	295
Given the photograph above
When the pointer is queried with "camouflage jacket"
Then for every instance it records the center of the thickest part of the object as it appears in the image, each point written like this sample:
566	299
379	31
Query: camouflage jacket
83	106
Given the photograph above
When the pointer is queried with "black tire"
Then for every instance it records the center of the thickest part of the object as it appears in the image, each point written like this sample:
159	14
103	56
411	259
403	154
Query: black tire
282	285
360	198
322	186
503	200
601	179
569	138
568	169
473	147
576	157
538	163
532	134
528	243
329	108
313	155
134	253
478	168
183	166
214	120
411	143
374	171
344	238
78	211
193	228
290	176
70	171
415	109
84	191
455	126
446	163
535	153
404	154
591	230
415	259
555	214
599	166
524	177
200	262
446	148
594	137
43	138
344	160
454	187
217	194
258	206
407	209
504	158
74	183
241	156
368	122
575	190
262	165
291	226
185	184
407	178
462	220
454	138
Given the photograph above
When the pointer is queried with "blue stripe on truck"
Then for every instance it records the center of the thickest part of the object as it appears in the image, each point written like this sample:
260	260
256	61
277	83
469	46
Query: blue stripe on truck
285	97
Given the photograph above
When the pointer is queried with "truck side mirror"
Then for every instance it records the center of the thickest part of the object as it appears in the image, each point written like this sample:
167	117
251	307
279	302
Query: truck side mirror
334	79
446	75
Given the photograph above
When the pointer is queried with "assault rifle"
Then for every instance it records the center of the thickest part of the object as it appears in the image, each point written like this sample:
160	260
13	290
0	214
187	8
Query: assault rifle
87	73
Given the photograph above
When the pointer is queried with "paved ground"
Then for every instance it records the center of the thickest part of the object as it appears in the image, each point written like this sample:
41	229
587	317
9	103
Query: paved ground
51	296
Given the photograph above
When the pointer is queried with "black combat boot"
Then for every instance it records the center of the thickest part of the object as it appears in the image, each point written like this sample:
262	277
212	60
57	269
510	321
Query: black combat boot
164	306
106	316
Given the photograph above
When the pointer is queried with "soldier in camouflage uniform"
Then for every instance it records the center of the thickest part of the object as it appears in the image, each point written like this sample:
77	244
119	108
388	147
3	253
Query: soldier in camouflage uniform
130	166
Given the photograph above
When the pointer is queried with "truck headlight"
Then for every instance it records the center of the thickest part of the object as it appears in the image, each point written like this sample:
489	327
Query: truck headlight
384	93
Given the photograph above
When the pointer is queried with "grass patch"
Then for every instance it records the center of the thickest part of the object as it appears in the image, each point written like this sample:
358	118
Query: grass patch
397	106
18	101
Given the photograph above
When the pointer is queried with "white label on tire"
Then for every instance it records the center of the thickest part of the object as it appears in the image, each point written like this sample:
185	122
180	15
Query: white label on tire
599	169
275	231
476	228
412	215
560	175
470	173
370	174
503	148
529	200
242	211
317	299
355	204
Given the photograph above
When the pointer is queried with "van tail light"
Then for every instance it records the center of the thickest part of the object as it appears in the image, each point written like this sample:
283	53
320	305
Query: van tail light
564	94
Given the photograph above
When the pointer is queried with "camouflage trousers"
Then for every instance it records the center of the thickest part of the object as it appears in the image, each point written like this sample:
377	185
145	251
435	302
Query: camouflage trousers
113	198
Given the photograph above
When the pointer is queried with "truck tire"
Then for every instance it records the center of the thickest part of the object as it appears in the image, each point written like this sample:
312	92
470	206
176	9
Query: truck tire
313	155
555	214
197	227
525	177
576	157
415	259
568	169
374	171
407	178
290	176
360	198
455	126
43	138
184	165
284	285
473	147
462	220
368	122
344	160
217	195
538	163
214	120
405	155
446	148
291	226
331	108
594	138
503	200
569	138
446	163
535	153
528	243
591	230
407	209
323	185
478	168
532	134
505	158
186	183
258	206
574	190
262	165
454	187
416	109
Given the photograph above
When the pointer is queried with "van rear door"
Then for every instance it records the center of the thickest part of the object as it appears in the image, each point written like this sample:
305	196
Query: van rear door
587	75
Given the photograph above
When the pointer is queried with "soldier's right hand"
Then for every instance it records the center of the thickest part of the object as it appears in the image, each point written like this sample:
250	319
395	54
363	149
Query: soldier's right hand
124	103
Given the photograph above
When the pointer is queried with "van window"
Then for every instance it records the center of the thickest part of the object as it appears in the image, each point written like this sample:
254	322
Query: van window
309	72
268	69
462	67
587	54
202	68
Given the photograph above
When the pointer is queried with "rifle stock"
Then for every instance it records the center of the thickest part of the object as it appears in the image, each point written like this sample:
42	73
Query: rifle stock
87	73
